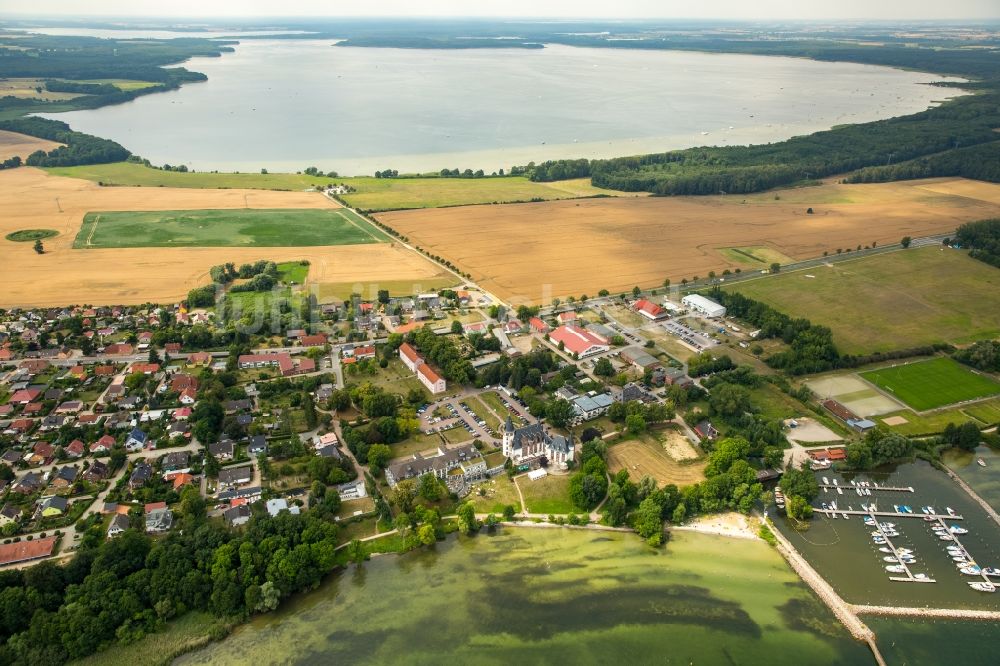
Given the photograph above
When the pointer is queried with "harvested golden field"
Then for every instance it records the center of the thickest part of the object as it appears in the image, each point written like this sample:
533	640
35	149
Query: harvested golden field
648	456
31	199
21	145
533	252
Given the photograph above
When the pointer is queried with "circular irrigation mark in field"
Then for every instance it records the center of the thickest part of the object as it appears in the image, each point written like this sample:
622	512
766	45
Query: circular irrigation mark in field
28	235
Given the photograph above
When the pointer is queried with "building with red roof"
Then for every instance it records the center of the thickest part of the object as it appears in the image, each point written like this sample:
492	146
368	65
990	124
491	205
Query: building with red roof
579	341
24	551
537	325
649	310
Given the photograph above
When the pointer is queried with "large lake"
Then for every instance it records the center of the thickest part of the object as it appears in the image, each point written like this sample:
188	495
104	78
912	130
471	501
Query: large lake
554	596
288	104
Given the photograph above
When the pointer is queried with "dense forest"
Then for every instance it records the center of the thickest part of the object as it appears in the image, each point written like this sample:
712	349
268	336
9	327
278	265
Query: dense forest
54	59
967	121
981	162
124	588
983	240
79	148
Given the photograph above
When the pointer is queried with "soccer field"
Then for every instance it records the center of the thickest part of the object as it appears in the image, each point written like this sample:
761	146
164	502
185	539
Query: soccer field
239	227
934	383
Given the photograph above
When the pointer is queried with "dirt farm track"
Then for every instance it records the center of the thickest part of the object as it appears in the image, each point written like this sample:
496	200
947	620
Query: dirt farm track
31	199
533	252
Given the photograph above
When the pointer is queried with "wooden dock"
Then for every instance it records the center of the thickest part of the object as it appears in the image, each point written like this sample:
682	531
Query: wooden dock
886	514
965	552
886	489
909	578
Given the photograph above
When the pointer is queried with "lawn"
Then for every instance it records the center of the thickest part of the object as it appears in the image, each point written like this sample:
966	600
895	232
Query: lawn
549	494
483	413
371	193
892	301
293	272
240	227
26	235
498	493
934	383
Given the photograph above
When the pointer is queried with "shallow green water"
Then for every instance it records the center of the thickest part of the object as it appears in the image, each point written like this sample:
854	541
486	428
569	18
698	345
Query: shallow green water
843	551
533	596
984	480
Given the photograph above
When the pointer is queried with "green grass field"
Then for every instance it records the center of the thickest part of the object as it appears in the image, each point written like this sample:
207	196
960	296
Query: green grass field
239	227
293	271
892	301
27	235
934	383
371	194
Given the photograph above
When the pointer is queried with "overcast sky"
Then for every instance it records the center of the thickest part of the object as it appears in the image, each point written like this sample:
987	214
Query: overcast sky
713	9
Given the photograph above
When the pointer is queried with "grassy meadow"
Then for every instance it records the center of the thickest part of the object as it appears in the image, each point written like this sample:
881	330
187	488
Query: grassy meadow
239	227
935	383
372	193
892	301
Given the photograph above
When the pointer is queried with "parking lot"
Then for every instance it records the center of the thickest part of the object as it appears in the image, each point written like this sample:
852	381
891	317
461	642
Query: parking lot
689	336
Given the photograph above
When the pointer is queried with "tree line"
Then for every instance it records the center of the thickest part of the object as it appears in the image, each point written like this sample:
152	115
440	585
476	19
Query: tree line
119	590
983	240
981	162
79	148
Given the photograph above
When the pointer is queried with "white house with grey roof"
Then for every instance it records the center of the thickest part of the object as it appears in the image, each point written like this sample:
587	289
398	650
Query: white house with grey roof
530	443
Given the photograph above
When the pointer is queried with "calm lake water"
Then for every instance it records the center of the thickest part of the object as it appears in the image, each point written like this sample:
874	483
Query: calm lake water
288	104
539	596
918	641
984	480
843	551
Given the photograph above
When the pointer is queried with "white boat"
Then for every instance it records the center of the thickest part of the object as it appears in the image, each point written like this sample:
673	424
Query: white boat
885	550
971	570
890	558
980	462
991	571
840	491
955	529
924	509
895	507
951	512
946	537
981	586
826	481
845	516
920	576
904	551
932	510
895	568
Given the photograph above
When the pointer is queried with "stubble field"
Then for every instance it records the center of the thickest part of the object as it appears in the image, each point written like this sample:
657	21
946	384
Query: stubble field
21	145
533	252
31	199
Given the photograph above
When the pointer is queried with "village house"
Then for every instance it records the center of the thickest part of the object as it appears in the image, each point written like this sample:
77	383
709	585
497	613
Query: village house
136	440
158	517
222	450
141	473
235	476
237	515
119	524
